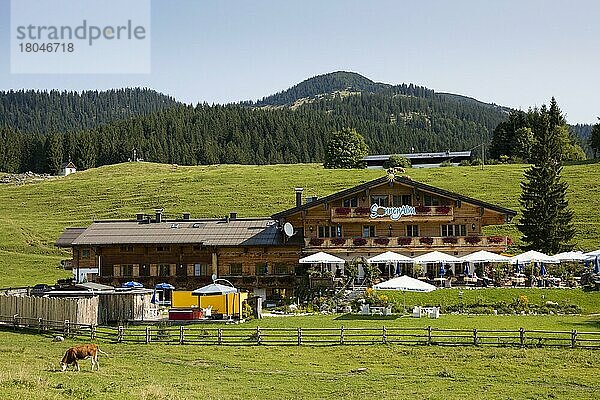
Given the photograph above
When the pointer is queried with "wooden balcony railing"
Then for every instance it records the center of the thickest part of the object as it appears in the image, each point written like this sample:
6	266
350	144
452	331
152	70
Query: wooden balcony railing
409	242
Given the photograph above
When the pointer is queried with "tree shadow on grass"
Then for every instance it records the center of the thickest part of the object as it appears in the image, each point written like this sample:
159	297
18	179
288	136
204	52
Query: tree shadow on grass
359	317
593	322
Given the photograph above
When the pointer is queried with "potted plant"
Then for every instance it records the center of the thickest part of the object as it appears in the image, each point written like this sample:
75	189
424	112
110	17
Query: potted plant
404	241
343	210
315	241
359	241
382	241
426	240
443	210
362	211
472	239
338	241
496	239
450	240
422	209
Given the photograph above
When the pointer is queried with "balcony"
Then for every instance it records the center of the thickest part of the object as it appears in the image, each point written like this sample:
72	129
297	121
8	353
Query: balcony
363	214
410	244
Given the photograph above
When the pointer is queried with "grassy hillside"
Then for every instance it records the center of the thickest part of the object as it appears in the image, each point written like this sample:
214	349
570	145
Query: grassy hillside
32	216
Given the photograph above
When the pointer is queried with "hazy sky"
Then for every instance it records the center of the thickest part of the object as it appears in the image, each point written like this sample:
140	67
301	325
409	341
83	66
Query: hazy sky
514	53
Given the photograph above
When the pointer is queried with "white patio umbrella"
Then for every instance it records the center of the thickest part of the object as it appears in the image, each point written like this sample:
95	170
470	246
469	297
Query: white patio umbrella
484	256
436	257
389	258
570	256
592	254
532	256
321	258
405	284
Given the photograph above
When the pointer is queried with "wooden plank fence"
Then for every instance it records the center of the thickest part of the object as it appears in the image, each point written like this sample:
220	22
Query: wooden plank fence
78	311
239	336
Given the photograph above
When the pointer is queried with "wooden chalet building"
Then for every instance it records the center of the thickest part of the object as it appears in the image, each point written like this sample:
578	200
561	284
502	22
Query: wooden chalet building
391	213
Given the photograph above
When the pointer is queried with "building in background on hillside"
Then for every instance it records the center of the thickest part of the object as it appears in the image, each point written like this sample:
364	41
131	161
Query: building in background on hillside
262	255
67	169
421	160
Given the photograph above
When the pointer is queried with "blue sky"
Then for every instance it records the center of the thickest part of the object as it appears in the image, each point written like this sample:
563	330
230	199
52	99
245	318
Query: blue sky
513	53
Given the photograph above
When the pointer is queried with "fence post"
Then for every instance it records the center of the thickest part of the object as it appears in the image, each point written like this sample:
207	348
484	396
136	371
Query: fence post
573	338
522	337
147	334
475	340
120	334
299	336
67	328
258	335
15	320
92	331
342	335
40	325
384	335
220	336
429	335
181	334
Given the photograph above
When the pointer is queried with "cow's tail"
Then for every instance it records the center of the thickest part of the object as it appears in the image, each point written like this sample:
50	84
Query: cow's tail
103	352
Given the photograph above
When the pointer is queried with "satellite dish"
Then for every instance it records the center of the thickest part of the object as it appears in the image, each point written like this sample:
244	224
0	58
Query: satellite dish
288	229
214	277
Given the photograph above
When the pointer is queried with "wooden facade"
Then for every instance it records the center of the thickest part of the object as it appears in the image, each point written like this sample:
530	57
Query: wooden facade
256	255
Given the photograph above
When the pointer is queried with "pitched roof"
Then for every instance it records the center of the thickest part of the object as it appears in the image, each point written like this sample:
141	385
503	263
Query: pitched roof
68	236
208	232
400	179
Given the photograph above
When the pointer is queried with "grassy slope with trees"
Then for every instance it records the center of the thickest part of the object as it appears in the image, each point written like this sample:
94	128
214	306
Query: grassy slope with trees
32	216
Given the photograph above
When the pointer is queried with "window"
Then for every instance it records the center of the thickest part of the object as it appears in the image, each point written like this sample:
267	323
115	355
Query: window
181	270
383	201
353	202
126	270
163	248
430	200
281	269
163	269
85	253
144	270
330	231
127	249
412	230
368	230
262	268
454	230
235	269
201	270
402	200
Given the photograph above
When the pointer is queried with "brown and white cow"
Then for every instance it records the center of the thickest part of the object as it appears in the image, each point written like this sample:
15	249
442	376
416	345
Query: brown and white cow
82	352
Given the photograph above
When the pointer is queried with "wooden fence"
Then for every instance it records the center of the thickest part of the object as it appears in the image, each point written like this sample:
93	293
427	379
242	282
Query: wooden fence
238	336
79	311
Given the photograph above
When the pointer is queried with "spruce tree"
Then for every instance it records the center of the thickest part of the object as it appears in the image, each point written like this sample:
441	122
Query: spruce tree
546	222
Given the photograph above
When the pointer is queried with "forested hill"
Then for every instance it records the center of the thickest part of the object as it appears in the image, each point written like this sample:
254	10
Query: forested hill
60	111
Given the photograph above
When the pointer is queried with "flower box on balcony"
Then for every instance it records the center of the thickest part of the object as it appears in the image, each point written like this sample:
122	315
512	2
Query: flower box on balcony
443	210
359	241
316	241
496	239
362	211
450	240
426	240
338	241
343	210
381	241
404	241
472	239
422	209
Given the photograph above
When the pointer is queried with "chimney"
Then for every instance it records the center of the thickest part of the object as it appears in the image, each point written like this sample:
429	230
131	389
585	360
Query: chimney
158	212
232	216
298	191
139	217
186	216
